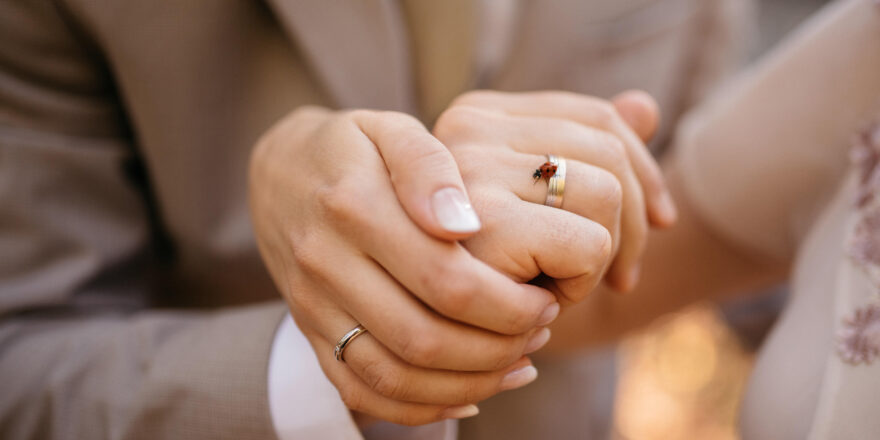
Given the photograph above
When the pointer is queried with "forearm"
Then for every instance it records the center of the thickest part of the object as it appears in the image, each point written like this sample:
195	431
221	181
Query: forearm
752	168
153	375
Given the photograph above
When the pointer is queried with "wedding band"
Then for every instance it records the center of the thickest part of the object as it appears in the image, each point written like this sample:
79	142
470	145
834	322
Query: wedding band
345	340
556	183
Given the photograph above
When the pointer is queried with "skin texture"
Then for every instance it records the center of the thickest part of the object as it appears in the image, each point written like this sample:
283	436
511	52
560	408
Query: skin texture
340	202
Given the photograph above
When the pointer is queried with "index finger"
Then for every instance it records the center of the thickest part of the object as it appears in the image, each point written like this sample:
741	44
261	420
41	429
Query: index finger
423	174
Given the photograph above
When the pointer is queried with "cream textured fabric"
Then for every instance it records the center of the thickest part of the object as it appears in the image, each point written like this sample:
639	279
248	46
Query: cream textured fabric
767	164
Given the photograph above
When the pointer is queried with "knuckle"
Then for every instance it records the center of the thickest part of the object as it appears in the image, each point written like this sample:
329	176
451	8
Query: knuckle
455	120
598	248
352	398
383	378
305	249
609	190
453	290
421	348
343	202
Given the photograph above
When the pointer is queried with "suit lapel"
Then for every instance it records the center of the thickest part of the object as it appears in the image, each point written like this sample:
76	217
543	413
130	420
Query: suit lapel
358	49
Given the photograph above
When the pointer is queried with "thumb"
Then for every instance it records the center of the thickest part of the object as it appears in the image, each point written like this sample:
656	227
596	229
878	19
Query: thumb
424	174
640	111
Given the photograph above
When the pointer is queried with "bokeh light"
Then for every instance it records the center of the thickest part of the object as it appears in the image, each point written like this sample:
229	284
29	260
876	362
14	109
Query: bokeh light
682	378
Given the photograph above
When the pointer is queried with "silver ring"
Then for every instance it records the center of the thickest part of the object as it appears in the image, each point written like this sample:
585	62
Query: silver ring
345	340
556	183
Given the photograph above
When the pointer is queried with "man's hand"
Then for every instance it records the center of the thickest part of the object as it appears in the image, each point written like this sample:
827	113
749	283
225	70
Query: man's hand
341	203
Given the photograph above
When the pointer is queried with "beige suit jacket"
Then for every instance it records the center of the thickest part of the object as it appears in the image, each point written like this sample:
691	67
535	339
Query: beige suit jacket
128	270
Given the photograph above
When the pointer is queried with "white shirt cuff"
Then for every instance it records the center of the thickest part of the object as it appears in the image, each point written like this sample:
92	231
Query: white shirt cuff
302	401
305	405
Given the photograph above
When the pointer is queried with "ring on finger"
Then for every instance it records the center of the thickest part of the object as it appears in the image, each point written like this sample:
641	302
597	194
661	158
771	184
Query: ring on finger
345	340
556	182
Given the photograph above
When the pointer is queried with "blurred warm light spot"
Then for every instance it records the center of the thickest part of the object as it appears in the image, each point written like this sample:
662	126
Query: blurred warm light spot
681	379
687	361
651	414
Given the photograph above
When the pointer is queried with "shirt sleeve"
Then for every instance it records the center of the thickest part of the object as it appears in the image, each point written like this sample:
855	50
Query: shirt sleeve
304	404
760	159
302	401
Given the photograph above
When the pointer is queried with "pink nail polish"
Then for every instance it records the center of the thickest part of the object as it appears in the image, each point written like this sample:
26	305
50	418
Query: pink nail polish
454	211
548	315
460	412
519	378
539	339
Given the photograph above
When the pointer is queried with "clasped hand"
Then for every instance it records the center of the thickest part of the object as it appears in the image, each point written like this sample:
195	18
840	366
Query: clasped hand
439	243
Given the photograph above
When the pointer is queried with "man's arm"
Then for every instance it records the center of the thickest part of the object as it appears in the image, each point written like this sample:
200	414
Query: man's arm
149	375
81	355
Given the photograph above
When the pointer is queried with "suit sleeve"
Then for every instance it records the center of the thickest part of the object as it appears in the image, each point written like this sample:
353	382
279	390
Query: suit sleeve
82	353
761	158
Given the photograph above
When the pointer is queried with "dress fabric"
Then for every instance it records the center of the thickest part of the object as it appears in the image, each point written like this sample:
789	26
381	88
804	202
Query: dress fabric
768	164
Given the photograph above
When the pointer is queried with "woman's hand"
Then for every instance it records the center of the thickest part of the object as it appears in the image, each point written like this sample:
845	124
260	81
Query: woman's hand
341	203
499	138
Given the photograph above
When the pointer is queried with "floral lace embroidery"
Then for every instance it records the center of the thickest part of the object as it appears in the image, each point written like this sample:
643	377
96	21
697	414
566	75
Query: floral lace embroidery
858	341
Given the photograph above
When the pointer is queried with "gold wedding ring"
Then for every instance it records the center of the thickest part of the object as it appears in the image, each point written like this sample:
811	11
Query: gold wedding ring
556	183
345	340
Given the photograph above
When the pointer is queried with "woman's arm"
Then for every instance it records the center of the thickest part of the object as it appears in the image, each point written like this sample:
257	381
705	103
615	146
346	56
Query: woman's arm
751	170
682	265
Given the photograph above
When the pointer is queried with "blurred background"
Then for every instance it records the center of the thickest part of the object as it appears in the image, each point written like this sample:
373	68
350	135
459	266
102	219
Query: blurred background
684	377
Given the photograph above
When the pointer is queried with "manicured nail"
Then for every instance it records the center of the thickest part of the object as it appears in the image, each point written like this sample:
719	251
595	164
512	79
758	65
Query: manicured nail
519	378
667	207
632	278
461	412
454	211
549	314
539	339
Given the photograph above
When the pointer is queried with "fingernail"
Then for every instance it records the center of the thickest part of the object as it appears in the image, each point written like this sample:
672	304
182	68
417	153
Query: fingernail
632	278
519	378
539	339
454	211
549	314
670	212
461	412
